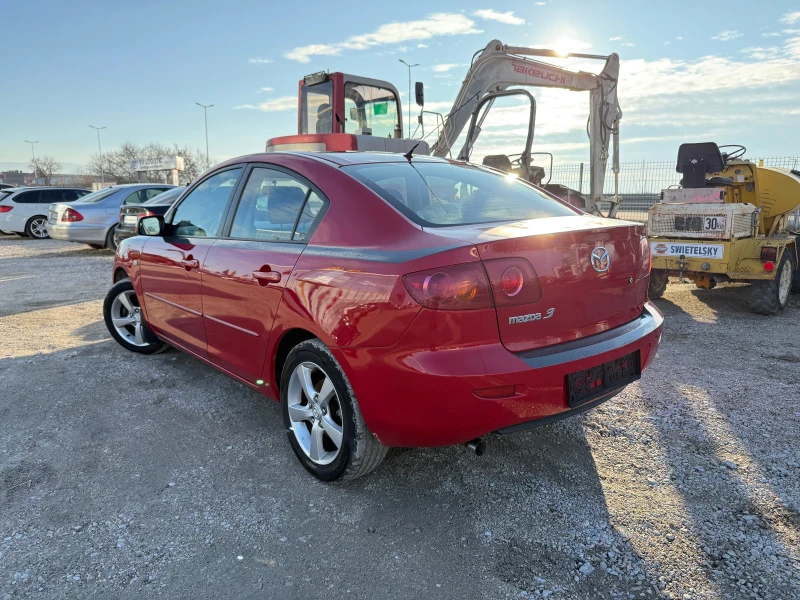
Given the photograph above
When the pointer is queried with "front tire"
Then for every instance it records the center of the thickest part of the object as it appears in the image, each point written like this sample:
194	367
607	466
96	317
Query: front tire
771	297
658	283
125	320
322	416
36	228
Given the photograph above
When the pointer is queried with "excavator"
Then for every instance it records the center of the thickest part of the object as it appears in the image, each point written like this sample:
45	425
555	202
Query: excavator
342	112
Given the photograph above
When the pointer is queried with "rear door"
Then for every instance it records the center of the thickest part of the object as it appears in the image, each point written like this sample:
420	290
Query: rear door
170	266
49	197
246	271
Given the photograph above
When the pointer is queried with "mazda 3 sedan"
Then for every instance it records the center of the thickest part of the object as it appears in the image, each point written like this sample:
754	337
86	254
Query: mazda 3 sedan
386	302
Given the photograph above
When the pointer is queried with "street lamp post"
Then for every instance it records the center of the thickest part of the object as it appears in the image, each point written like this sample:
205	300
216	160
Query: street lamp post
33	158
205	114
100	153
409	93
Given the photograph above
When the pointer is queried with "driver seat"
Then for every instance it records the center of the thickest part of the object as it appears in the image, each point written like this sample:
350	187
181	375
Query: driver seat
498	161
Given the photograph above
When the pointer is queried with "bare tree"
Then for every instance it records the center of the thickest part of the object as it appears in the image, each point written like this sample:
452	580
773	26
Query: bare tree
45	167
115	163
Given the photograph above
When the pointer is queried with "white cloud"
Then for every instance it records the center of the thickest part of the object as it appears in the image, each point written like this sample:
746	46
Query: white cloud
439	24
791	18
278	104
540	3
265	90
618	38
501	17
422	45
727	36
758	53
444	68
678	37
771	34
259	61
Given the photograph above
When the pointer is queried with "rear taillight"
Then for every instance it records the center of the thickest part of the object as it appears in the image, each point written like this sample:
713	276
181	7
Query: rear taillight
5	209
769	253
70	216
647	258
513	281
458	287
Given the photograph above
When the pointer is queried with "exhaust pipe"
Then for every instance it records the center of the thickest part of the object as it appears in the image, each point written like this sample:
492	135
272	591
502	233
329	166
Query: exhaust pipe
478	446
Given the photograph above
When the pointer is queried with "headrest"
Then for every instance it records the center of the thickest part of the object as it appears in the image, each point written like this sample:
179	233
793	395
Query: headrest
283	204
322	109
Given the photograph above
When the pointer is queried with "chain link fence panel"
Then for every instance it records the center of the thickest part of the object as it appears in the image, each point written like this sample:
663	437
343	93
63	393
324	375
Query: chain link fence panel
640	183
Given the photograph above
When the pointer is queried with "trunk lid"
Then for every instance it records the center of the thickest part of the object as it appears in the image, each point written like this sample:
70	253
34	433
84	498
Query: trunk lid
577	300
54	212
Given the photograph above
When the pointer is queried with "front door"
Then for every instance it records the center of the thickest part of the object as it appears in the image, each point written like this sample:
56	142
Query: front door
246	271
170	266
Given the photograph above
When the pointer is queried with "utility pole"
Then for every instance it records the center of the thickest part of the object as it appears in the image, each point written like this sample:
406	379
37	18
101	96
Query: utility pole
205	114
100	153
33	158
409	93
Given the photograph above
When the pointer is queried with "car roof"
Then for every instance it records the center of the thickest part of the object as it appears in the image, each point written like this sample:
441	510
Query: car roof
341	159
43	187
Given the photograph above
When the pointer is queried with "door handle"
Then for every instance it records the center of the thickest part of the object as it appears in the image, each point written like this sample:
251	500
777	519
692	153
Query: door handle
267	277
192	263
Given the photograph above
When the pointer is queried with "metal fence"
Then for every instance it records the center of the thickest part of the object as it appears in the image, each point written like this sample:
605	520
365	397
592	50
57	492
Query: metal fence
640	183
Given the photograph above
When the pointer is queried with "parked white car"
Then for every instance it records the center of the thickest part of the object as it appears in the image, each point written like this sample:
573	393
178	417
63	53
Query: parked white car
23	210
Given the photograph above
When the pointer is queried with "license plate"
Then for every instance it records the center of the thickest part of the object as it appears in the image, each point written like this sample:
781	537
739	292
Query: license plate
697	223
592	383
128	220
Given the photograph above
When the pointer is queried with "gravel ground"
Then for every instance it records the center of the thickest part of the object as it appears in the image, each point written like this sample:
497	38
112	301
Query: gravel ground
131	476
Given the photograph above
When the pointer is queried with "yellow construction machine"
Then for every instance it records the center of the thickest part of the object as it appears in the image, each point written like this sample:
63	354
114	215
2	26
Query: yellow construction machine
727	222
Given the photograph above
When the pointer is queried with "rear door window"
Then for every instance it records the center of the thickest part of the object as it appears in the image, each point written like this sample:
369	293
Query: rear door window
200	213
275	207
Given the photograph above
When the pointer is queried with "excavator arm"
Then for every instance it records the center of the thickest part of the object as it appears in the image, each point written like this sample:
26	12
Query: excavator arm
500	66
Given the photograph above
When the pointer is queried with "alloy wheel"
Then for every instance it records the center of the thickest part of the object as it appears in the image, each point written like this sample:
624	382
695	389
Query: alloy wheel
38	228
126	316
315	413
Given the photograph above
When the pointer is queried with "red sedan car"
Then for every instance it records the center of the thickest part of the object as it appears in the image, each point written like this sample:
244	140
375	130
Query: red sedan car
386	302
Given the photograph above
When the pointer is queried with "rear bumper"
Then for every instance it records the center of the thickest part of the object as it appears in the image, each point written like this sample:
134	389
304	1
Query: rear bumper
426	397
123	233
75	232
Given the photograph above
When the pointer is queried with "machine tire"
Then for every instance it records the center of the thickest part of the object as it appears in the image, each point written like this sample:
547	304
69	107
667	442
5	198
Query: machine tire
658	283
766	296
796	280
359	451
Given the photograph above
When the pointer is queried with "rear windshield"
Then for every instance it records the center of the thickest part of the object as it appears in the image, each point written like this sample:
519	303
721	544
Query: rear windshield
440	194
97	196
167	197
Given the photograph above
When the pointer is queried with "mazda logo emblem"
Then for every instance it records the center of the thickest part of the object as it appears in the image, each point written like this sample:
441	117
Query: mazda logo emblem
600	260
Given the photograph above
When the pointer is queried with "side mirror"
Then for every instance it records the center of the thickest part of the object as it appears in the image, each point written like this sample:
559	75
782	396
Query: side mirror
419	91
353	113
153	225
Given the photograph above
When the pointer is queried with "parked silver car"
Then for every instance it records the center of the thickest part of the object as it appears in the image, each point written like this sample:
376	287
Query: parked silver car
92	219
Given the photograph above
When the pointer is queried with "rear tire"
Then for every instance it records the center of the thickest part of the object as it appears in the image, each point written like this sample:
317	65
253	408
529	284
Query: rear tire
35	228
796	280
771	297
658	283
328	412
125	321
110	243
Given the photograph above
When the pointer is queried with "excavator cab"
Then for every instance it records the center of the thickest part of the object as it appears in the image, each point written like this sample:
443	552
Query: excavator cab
341	112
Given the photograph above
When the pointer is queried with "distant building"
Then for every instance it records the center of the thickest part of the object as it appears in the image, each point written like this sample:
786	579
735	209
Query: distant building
17	178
